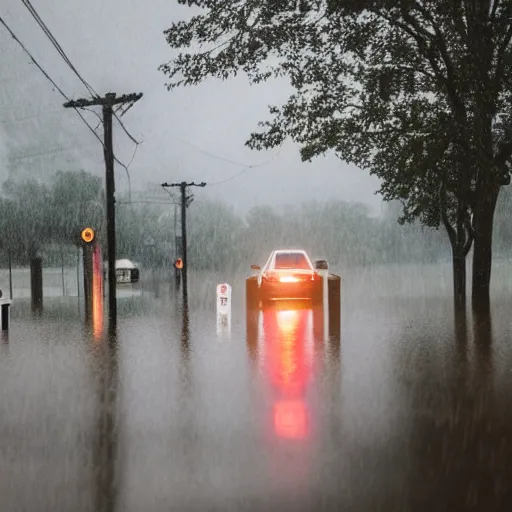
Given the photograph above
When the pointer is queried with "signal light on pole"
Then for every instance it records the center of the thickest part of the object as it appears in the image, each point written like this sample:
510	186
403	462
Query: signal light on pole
178	263
87	235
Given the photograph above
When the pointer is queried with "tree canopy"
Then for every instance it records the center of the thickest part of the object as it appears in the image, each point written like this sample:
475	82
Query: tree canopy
415	91
36	214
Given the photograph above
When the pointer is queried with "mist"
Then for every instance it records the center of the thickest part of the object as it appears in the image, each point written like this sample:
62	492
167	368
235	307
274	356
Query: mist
190	134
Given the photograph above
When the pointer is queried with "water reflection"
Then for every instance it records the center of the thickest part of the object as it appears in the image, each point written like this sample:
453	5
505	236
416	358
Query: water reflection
97	294
457	453
286	348
105	456
185	331
4	342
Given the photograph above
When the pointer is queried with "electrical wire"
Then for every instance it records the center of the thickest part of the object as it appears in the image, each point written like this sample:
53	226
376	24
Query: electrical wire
62	93
48	77
171	195
46	152
89	88
208	153
93	93
145	202
245	169
55	43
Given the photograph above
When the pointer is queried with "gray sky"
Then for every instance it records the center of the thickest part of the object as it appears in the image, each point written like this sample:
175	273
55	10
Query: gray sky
118	46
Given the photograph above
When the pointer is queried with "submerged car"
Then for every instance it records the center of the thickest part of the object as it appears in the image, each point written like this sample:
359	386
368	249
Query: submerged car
287	274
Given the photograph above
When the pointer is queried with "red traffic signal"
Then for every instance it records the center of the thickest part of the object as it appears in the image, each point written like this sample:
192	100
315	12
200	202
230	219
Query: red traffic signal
178	263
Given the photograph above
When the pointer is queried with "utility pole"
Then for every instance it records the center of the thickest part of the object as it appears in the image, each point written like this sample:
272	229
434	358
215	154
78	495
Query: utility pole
185	202
107	103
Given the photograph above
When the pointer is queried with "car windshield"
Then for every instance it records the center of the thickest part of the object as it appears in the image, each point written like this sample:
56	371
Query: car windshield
291	260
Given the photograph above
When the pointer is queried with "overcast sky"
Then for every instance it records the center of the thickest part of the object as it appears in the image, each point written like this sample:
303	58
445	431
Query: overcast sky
188	134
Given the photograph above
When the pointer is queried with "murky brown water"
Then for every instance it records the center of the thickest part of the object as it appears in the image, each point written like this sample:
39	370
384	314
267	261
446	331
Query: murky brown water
410	410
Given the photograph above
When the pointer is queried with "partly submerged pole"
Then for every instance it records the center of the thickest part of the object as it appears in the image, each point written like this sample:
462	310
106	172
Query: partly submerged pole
10	273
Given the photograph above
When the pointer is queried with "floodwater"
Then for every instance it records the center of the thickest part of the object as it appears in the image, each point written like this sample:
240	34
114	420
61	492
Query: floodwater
409	410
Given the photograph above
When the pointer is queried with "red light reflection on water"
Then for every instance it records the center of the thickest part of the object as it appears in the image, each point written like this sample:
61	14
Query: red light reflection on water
291	419
97	294
288	366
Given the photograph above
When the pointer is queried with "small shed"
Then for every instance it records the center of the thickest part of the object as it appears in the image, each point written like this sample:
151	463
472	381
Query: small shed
126	271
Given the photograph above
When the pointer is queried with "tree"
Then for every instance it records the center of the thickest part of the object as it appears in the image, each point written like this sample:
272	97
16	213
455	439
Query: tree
76	202
503	224
213	235
28	223
373	76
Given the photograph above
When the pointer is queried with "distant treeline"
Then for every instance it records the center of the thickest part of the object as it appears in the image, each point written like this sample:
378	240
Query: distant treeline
46	218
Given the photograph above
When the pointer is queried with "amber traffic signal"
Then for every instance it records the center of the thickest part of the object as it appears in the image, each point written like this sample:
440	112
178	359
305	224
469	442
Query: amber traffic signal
87	235
178	263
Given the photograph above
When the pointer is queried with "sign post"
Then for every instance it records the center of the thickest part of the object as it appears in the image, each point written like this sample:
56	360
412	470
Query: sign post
322	267
178	267
87	236
4	312
223	308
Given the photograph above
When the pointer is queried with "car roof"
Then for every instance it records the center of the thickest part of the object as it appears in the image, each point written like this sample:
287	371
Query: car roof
281	251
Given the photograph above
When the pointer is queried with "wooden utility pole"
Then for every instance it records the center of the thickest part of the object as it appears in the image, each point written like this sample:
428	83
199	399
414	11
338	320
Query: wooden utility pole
185	202
107	103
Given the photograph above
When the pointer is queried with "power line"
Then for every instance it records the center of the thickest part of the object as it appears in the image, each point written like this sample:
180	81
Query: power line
171	195
93	93
61	52
63	94
47	152
55	43
208	153
48	77
147	202
245	167
243	171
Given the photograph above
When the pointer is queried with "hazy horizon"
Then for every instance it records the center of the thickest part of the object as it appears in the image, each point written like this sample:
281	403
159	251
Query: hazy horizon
188	134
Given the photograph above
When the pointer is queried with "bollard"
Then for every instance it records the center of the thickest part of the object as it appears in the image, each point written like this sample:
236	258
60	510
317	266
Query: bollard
4	312
335	308
36	282
322	266
223	308
87	265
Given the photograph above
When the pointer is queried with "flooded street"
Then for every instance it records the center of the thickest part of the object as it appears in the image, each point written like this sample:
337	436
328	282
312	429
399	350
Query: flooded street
409	410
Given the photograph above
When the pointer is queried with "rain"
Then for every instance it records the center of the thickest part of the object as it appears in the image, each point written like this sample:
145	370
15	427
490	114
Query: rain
141	369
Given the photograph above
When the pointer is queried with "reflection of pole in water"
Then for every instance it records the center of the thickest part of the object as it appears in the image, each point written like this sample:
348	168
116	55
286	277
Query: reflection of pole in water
253	317
461	332
62	270
185	329
461	346
10	273
97	293
93	289
78	271
483	336
105	450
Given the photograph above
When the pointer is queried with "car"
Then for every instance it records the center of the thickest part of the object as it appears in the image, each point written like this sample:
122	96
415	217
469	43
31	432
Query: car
288	274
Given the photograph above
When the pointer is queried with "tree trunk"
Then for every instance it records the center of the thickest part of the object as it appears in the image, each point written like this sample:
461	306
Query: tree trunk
482	251
36	283
459	278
